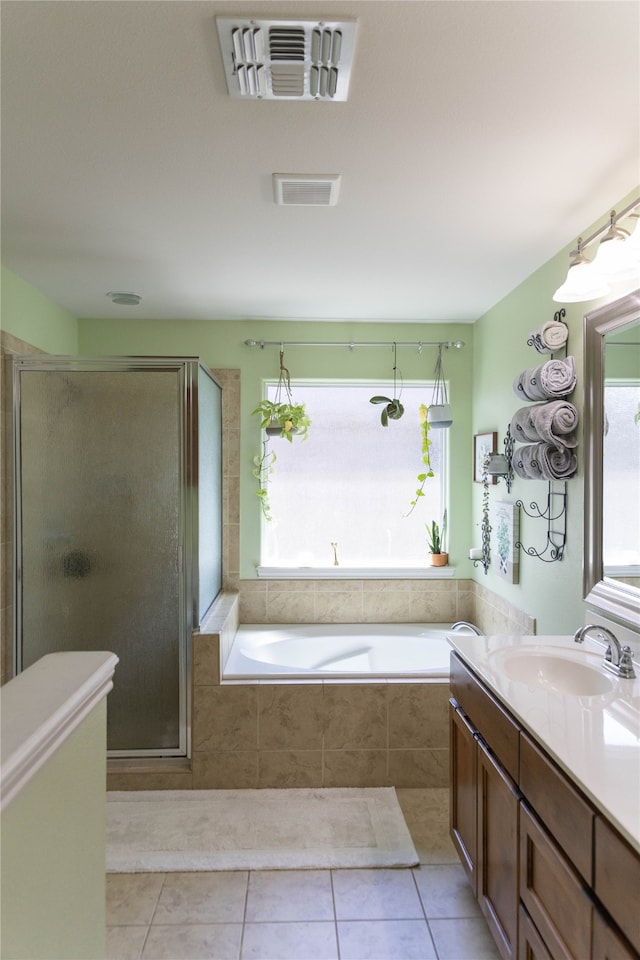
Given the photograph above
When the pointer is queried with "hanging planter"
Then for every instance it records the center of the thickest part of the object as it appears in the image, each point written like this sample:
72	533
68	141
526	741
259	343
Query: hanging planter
280	417
393	409
439	414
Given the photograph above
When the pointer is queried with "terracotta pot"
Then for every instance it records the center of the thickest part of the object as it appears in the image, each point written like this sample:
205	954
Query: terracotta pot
439	559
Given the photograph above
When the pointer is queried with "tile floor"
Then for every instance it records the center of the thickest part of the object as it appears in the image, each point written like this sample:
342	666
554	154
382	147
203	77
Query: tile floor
426	913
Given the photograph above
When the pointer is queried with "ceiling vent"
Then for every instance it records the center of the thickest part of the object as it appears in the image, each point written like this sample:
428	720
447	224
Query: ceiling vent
287	59
306	190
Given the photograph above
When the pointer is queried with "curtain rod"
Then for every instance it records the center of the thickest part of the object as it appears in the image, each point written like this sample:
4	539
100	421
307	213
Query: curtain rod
458	344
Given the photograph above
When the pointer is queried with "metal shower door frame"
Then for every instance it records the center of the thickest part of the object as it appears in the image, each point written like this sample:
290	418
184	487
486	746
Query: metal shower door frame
187	370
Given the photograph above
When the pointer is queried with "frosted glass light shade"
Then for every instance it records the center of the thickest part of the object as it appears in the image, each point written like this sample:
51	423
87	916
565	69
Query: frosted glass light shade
614	259
584	282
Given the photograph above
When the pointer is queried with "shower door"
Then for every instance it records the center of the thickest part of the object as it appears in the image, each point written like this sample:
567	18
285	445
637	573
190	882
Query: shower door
104	559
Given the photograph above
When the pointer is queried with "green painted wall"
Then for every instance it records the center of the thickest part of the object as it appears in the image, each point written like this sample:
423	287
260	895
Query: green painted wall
221	344
28	315
552	592
481	377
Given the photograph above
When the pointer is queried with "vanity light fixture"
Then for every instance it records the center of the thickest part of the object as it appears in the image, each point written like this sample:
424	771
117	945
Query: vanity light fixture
617	259
613	259
583	280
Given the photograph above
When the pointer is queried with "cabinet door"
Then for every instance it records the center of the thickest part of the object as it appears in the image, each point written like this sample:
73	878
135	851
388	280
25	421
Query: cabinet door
530	943
497	874
553	893
463	780
617	880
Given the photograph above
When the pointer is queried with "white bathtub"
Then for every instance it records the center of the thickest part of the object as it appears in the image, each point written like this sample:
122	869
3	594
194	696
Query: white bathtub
337	650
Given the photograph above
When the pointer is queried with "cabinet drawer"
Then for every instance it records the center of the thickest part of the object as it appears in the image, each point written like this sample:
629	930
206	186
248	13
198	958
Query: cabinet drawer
567	817
607	942
496	727
617	880
553	893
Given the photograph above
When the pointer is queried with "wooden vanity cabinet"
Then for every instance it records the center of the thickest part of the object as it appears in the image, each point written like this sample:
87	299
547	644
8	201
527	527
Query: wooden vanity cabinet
484	802
554	880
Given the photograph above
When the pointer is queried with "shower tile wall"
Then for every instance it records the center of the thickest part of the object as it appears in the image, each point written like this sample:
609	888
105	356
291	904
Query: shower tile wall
229	380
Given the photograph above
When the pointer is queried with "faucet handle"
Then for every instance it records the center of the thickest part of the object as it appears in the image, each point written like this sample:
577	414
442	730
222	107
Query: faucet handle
625	668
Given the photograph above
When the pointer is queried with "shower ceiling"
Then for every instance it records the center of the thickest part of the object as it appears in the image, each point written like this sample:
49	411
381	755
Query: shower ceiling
477	140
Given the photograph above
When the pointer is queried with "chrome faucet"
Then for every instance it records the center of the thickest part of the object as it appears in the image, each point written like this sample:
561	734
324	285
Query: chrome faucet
617	658
462	625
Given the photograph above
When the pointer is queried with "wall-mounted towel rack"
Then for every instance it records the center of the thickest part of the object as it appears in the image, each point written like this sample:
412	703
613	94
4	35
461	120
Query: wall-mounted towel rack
555	513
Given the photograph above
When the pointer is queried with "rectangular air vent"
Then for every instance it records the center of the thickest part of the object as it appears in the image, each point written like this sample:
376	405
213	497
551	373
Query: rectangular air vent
287	59
306	190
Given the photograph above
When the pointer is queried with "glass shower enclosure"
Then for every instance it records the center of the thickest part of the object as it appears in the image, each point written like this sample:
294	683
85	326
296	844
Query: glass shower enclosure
118	546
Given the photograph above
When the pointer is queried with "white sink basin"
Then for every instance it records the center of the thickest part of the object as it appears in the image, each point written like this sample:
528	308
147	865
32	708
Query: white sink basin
560	671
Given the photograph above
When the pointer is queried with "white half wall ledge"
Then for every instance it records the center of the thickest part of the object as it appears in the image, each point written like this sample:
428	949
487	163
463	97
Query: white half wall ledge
42	706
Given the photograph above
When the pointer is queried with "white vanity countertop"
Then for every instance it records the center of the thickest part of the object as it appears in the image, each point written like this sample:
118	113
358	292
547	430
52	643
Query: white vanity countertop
595	739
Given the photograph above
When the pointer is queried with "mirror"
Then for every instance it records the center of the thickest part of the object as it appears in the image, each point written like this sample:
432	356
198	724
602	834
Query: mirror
612	459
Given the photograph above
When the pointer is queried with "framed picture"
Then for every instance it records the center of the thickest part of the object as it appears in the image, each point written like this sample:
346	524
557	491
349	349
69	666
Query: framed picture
483	443
506	528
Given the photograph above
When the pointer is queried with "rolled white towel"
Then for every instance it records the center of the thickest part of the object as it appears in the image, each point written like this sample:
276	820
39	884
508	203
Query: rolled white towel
543	461
550	337
550	380
554	421
557	464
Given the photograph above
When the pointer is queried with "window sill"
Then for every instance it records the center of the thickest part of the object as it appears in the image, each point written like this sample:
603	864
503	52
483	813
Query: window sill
354	573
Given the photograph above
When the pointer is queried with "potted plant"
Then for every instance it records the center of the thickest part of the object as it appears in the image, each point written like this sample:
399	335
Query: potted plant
283	419
439	409
393	409
436	539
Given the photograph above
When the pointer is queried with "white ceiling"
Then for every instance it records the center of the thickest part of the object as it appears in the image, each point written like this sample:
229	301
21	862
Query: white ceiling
479	138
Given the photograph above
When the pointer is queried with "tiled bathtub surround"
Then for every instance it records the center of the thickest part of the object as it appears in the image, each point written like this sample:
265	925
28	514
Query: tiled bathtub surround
312	733
354	601
380	601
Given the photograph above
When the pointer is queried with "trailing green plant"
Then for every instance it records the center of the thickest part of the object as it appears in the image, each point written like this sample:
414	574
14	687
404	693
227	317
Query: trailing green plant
425	426
278	417
281	416
262	470
437	536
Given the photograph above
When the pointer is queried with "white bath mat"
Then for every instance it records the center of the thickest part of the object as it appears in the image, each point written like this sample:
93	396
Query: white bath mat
188	830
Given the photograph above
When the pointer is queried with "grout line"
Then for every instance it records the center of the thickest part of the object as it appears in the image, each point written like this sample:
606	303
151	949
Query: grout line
335	914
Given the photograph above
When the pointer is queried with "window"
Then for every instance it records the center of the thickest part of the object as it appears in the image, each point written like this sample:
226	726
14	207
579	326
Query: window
351	482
